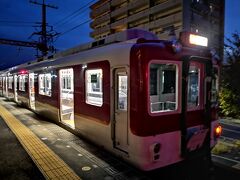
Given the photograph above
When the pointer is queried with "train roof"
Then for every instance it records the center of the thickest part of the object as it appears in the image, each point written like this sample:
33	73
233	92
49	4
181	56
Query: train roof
112	47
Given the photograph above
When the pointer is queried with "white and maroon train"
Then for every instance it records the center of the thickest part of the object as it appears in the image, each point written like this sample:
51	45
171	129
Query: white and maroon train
151	102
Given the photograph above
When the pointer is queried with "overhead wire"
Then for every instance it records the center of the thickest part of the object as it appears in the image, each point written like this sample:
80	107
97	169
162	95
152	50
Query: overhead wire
71	29
73	15
79	25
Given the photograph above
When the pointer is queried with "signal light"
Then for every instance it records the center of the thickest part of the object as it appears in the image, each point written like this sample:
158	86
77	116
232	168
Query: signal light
218	131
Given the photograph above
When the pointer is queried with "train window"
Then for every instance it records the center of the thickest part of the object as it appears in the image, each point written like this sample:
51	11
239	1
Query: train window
44	84
10	82
66	79
94	92
193	87
122	91
163	84
215	85
22	80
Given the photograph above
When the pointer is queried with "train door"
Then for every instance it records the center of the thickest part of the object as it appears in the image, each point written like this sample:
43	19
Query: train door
66	96
121	109
5	86
15	78
1	86
31	91
196	105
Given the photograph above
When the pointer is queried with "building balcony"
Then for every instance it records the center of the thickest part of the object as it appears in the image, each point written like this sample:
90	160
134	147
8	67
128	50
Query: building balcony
165	5
117	2
136	3
100	20
100	31
119	11
169	20
97	12
139	15
118	24
98	4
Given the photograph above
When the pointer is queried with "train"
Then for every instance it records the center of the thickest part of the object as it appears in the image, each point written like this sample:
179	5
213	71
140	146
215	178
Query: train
151	102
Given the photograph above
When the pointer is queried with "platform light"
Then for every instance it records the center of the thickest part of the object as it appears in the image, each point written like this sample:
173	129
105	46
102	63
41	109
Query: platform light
198	40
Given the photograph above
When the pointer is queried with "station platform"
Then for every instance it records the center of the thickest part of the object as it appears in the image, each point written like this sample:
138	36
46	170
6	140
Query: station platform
60	154
52	152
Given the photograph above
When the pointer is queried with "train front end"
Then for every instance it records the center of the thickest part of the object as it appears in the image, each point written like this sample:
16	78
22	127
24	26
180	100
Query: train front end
173	101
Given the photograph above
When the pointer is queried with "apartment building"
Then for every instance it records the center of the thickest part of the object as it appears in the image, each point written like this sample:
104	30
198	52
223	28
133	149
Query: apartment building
160	17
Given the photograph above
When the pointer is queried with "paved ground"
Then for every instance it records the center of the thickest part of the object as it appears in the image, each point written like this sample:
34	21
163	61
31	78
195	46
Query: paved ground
88	161
14	161
227	151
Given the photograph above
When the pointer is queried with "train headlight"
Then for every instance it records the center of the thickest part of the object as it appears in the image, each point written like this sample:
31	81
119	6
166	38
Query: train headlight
198	40
193	40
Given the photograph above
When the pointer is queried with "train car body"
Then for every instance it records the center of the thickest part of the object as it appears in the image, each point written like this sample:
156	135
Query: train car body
151	102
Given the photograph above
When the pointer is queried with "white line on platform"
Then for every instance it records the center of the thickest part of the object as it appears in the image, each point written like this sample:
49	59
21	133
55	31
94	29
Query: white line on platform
237	166
238	132
225	158
227	138
229	124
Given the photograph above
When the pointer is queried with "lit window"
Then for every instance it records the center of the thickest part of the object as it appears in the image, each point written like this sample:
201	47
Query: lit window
10	82
215	86
94	92
66	78
45	84
1	82
122	91
163	85
22	80
193	87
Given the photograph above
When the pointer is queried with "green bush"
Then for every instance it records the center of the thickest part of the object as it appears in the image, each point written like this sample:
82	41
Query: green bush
229	96
229	103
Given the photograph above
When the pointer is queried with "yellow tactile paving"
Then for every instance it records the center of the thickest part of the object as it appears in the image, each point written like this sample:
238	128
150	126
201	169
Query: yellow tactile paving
47	161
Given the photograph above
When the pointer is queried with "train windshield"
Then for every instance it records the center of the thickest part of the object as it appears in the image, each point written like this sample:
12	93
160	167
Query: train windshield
215	85
162	87
193	86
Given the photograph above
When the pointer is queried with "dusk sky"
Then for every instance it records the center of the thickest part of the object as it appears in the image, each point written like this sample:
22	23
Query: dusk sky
71	19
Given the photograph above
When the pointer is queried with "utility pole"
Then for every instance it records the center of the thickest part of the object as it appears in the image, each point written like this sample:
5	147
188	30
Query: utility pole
45	36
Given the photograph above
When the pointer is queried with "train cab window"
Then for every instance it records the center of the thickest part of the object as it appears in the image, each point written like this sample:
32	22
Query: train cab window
22	80
193	87
45	84
163	84
215	86
10	82
94	90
